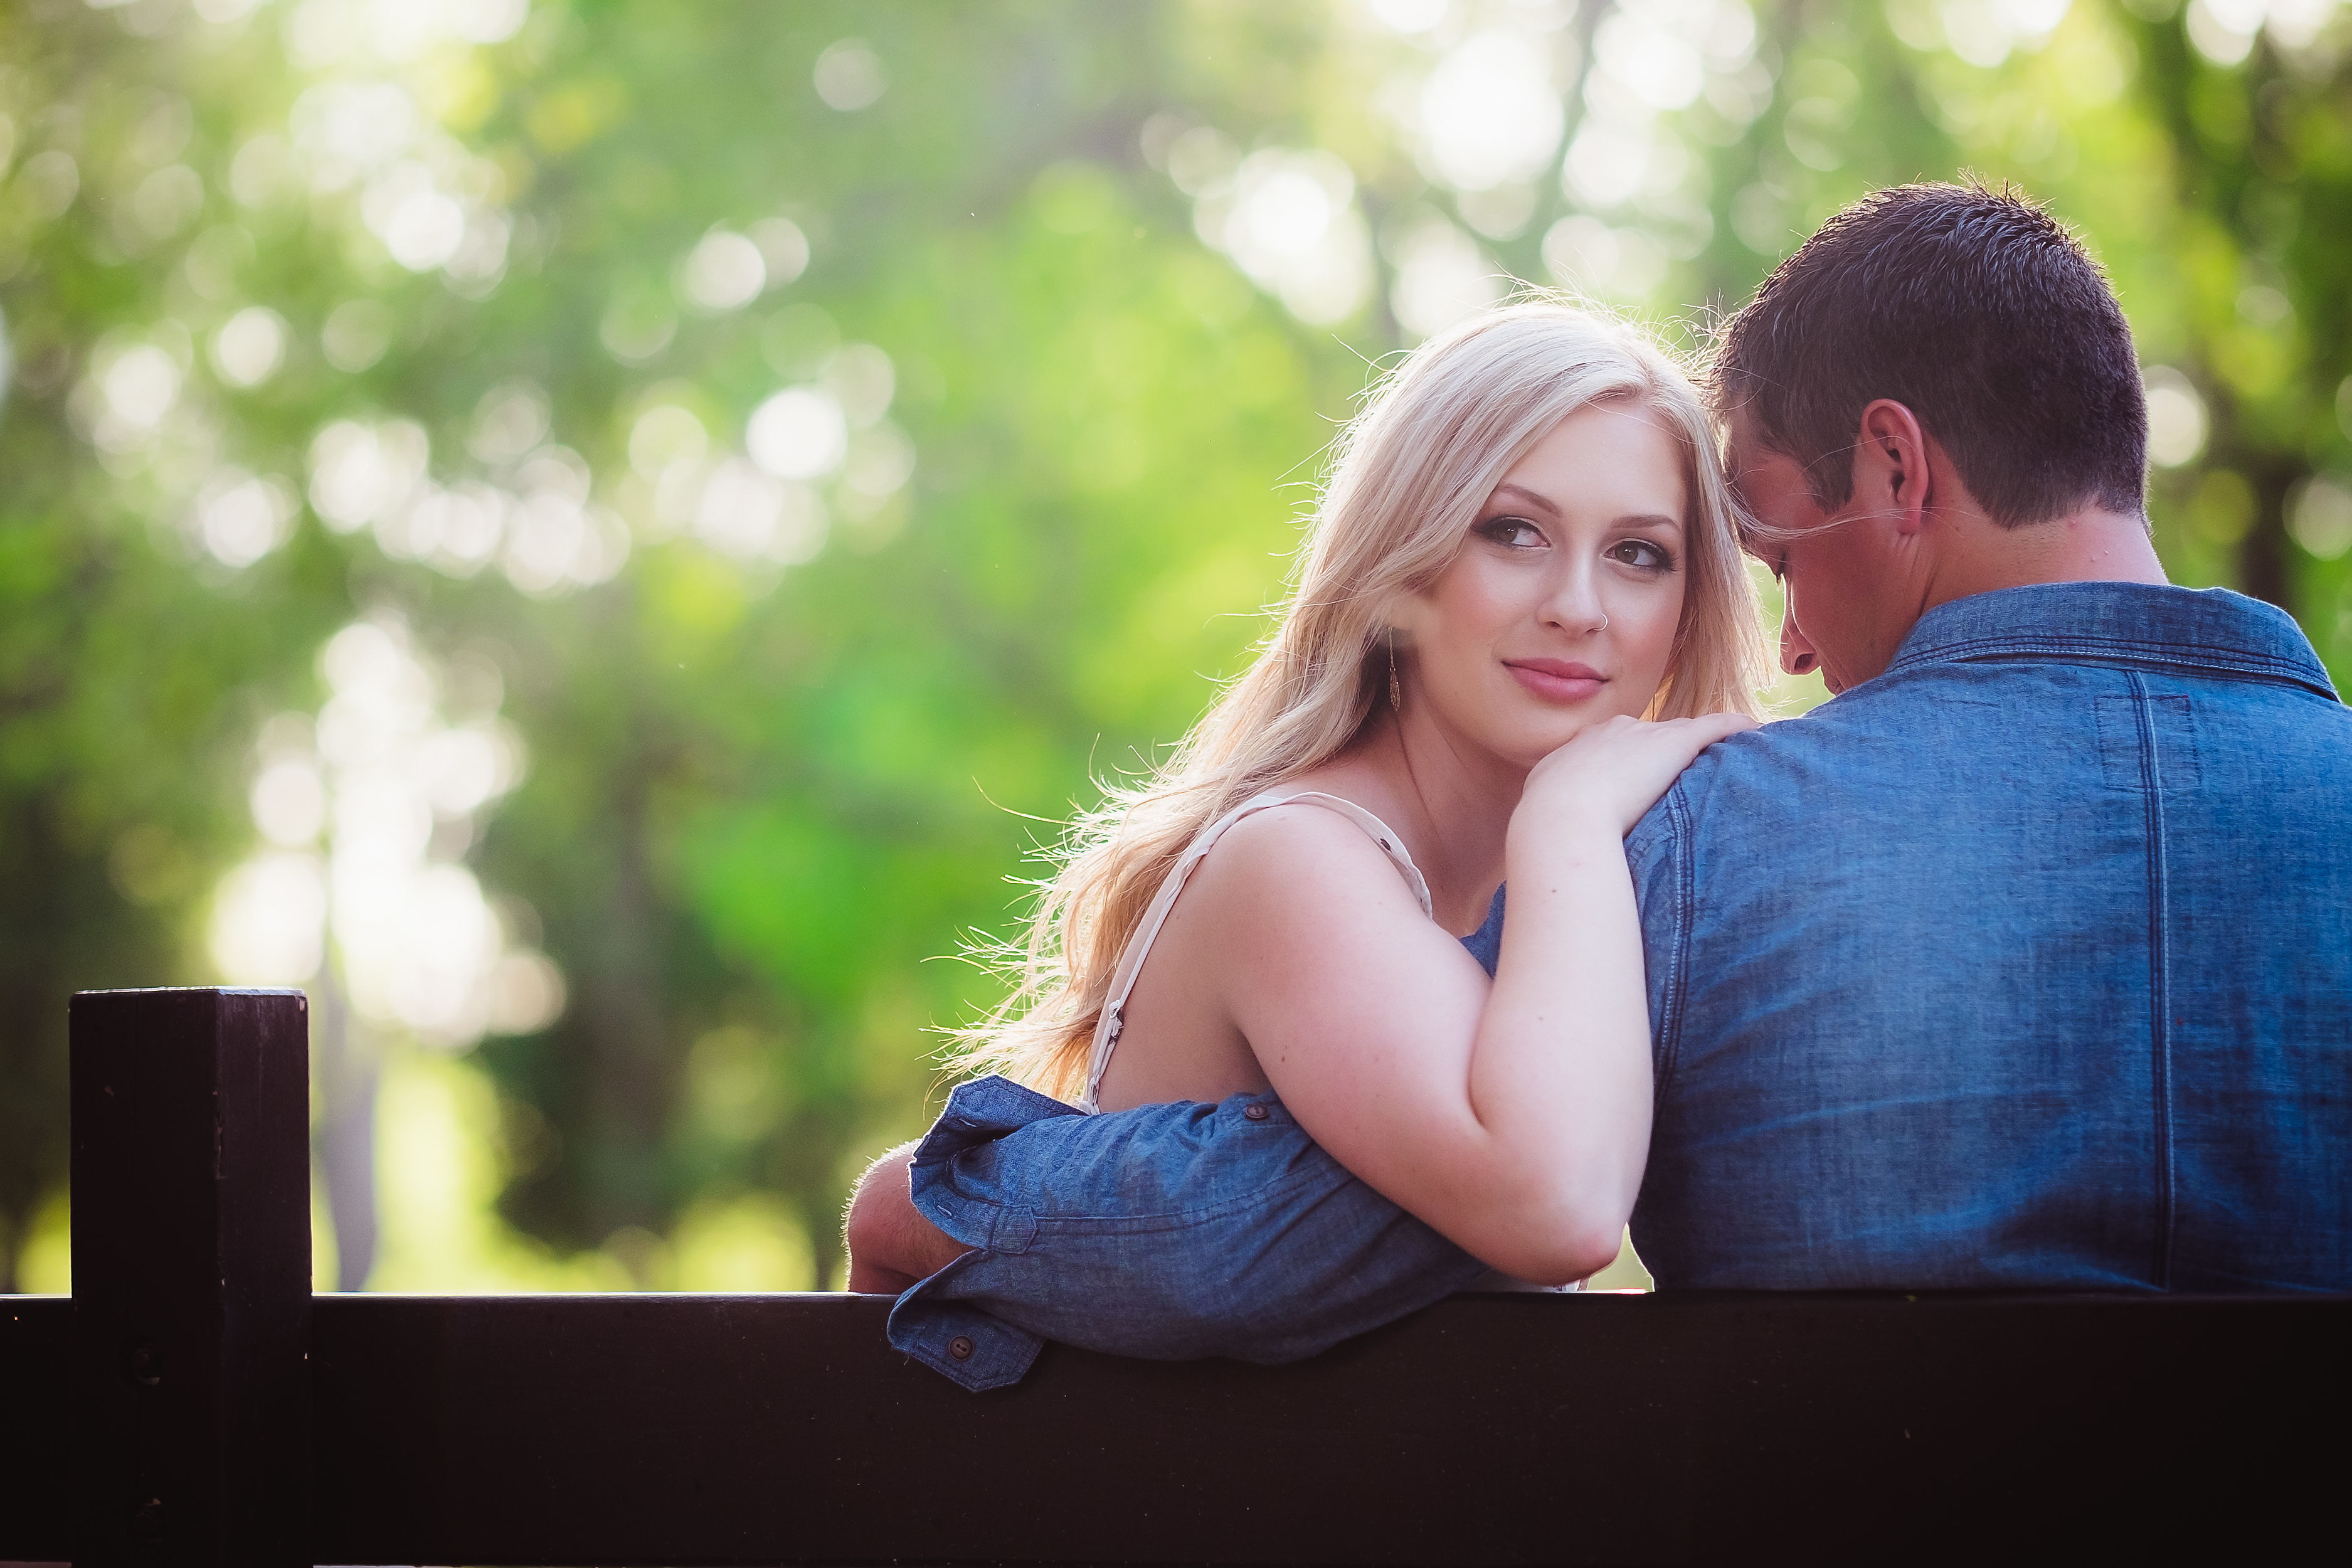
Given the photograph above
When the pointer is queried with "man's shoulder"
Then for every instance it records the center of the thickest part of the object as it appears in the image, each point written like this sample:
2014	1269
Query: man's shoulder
1958	730
1791	766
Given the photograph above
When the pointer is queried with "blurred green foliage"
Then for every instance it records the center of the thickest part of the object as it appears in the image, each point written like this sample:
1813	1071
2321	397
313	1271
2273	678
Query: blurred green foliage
1126	266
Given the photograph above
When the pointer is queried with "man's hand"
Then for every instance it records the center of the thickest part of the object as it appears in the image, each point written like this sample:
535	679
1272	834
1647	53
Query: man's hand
892	1245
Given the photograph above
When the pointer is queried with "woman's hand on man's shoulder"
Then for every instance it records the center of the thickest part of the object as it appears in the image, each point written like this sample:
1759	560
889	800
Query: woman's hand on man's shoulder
1613	772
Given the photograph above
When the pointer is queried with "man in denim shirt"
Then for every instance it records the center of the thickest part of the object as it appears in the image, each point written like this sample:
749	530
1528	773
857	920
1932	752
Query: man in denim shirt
2026	962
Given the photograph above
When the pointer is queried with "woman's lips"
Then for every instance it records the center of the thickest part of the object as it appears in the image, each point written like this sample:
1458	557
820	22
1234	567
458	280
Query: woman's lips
1556	679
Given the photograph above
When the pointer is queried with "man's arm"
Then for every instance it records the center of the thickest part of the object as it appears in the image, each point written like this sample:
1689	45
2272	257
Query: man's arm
1167	1231
891	1246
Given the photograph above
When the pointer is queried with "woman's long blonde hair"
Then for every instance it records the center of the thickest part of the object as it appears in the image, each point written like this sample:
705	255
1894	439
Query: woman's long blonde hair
1407	478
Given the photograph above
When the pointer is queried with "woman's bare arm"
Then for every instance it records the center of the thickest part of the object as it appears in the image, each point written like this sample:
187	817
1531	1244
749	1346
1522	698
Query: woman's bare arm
1514	1118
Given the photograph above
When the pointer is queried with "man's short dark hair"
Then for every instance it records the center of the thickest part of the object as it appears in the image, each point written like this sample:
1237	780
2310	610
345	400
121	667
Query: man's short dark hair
1972	308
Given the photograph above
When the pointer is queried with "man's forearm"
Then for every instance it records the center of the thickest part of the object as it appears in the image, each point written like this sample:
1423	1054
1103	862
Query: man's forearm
1170	1231
890	1245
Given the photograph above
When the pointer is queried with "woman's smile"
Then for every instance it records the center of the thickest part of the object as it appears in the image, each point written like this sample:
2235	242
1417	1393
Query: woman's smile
1556	679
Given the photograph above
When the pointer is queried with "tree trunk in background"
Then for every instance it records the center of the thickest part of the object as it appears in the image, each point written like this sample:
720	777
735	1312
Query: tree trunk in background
2262	568
346	1072
636	1063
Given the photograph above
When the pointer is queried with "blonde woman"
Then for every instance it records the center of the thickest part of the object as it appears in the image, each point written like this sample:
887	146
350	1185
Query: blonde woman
1521	612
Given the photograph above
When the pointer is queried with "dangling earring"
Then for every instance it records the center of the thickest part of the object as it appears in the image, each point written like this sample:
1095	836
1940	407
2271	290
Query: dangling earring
1396	689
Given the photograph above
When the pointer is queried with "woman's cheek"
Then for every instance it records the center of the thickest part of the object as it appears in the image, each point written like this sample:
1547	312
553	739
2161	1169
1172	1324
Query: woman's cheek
1482	602
1655	645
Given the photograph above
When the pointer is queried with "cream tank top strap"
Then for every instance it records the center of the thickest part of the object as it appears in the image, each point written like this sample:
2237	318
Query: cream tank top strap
1139	947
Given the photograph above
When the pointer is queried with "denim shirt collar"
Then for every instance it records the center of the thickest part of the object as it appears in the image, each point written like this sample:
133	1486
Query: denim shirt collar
2149	624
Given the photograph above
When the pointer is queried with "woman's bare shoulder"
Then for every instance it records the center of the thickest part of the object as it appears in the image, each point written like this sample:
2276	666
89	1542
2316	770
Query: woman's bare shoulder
1299	852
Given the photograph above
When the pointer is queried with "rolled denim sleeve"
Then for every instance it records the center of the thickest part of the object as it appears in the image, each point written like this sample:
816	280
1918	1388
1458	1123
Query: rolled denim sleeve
1168	1232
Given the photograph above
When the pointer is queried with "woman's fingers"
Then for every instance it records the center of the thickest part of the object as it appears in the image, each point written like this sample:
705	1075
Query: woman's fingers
1707	729
1725	723
1622	765
1686	738
1719	725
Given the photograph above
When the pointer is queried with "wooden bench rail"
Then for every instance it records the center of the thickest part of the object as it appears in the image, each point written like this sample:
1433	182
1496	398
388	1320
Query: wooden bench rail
1684	1427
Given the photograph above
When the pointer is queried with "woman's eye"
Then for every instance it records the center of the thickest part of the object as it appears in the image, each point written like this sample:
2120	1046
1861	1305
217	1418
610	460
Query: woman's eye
1641	553
1515	531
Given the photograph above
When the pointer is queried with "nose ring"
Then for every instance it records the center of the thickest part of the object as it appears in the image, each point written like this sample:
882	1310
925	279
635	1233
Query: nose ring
1604	622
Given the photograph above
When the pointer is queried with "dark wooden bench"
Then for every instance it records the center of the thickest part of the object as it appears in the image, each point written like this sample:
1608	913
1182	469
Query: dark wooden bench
192	1403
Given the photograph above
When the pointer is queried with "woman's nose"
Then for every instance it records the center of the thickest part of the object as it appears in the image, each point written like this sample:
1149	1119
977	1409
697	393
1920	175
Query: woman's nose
1574	605
1797	655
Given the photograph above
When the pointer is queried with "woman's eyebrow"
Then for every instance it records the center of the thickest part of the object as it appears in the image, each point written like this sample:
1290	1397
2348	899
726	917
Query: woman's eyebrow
1526	498
1534	500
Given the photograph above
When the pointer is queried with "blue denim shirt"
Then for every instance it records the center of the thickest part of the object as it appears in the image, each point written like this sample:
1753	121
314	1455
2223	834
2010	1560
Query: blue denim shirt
2027	965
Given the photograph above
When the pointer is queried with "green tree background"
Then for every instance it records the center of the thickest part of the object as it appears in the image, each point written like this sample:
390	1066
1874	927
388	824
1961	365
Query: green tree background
596	537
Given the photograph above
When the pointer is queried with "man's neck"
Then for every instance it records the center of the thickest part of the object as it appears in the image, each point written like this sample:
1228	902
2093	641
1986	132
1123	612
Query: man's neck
2088	545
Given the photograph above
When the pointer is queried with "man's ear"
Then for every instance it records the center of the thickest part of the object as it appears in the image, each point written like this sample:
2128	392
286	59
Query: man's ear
1891	478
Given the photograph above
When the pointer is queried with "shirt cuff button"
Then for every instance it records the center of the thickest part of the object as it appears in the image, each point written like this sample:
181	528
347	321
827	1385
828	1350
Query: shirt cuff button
960	1347
1255	1113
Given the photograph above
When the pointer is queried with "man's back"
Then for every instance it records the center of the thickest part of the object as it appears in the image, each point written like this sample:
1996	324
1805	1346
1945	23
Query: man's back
2028	964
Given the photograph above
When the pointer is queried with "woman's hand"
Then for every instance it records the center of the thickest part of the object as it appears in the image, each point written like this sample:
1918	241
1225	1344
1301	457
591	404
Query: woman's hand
1612	773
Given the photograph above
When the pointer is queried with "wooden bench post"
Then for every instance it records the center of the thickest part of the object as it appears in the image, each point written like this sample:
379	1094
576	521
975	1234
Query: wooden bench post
192	1277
